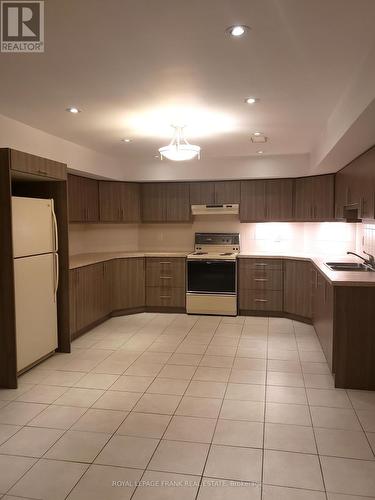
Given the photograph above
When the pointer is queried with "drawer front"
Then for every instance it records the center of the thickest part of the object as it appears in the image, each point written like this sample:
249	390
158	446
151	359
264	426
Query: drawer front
261	300
165	296
166	272
261	279
261	264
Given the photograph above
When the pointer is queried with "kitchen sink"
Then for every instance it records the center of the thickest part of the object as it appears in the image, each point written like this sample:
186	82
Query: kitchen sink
348	266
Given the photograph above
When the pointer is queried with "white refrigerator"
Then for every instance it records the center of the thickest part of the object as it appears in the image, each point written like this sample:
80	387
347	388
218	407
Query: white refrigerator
36	275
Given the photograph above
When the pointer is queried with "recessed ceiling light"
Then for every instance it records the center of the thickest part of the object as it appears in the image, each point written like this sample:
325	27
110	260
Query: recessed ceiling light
251	100
257	134
126	140
237	30
73	109
260	152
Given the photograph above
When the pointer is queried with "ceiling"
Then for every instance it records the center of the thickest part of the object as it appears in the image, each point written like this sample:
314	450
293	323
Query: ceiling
135	66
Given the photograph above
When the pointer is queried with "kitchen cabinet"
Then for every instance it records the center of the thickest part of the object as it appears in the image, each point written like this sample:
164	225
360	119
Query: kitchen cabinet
165	282
323	314
260	285
314	198
266	200
36	165
355	188
119	202
214	193
298	288
128	283
83	199
165	202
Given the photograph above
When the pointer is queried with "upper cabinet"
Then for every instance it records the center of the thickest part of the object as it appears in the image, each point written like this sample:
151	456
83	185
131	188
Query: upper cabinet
266	200
83	199
214	193
355	188
119	202
165	202
35	165
314	198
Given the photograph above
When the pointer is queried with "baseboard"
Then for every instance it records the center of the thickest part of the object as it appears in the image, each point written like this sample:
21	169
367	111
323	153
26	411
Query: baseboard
165	309
275	314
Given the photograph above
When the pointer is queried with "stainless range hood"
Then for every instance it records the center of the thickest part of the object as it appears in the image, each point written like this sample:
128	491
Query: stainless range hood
227	209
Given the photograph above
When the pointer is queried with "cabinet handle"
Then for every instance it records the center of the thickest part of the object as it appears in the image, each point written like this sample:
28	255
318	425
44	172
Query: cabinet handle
260	300
166	262
165	296
259	264
43	172
165	277
260	279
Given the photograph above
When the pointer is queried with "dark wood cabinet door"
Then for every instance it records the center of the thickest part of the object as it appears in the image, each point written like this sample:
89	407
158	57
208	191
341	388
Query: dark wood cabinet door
323	187
323	305
177	202
227	192
91	299
32	164
128	283
202	193
303	208
153	202
73	301
341	193
279	199
253	201
83	199
119	201
298	288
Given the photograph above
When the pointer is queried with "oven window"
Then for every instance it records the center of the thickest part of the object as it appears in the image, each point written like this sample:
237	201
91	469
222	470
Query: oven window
211	276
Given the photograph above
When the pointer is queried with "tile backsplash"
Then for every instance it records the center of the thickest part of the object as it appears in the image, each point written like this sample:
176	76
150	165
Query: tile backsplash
368	238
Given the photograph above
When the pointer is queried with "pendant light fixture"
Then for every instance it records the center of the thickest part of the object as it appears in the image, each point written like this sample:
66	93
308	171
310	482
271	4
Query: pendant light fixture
179	148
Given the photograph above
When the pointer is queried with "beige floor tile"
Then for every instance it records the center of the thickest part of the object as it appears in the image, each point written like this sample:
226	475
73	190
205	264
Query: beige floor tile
334	418
95	420
333	398
247	376
199	407
12	469
279	365
285	379
154	357
132	384
362	400
343	443
242	363
205	373
239	433
17	413
318	368
367	419
7	431
282	354
127	451
371	439
352	477
246	392
217	361
78	446
147	425
3	403
144	369
167	486
297	470
283	493
97	381
112	367
221	350
57	417
185	359
45	394
168	386
157	403
62	378
319	381
314	356
254	353
206	389
289	438
31	442
177	371
288	395
49	480
243	410
338	496
238	463
198	430
12	394
180	457
117	400
190	348
96	484
226	489
84	398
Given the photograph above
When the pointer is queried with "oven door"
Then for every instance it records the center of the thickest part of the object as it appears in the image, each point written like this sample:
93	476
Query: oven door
212	276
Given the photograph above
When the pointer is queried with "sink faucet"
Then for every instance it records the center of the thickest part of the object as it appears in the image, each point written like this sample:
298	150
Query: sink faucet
369	262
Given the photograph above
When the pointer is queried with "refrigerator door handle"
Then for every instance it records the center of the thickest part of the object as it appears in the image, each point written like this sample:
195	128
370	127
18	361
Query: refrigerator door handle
56	237
56	261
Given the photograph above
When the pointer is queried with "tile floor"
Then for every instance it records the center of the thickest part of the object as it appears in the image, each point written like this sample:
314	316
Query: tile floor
157	406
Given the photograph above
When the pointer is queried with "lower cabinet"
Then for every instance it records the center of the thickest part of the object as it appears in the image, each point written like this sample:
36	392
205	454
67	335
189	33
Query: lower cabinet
298	288
165	282
260	285
323	315
128	283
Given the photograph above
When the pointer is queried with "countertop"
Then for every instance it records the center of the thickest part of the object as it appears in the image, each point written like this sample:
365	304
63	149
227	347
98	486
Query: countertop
337	278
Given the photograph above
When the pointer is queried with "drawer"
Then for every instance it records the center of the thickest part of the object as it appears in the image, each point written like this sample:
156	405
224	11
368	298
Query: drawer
166	272
261	264
261	300
165	297
261	279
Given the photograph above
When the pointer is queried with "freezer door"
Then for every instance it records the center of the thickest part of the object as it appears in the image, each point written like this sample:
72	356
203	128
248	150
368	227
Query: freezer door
34	228
36	312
